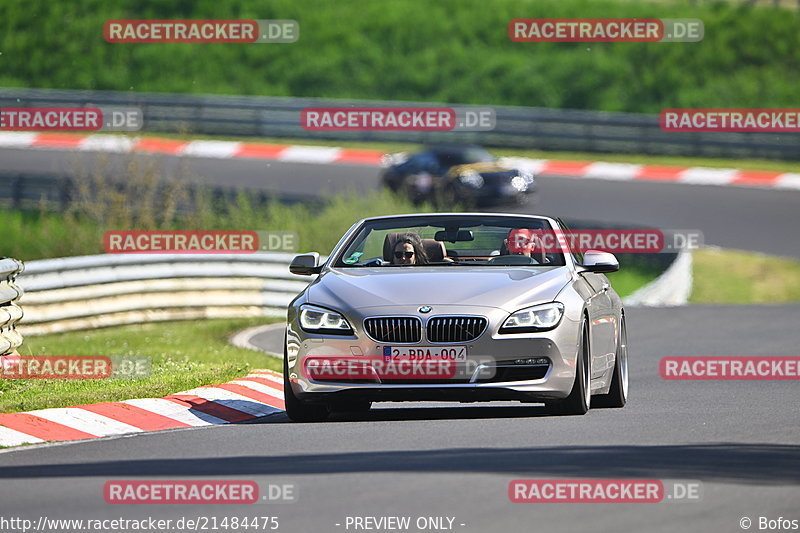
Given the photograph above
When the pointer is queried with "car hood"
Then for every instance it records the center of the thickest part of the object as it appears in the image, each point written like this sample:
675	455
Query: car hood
507	288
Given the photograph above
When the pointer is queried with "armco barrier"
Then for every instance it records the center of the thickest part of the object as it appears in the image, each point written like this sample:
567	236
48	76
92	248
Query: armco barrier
520	127
10	312
88	292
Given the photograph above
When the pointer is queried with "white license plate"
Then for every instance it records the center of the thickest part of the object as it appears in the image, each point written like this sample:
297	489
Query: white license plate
425	353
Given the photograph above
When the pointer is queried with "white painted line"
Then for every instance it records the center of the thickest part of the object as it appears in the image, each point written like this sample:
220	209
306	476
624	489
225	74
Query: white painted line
260	387
707	176
243	339
106	143
234	400
86	421
13	139
309	154
175	411
219	149
611	171
12	437
787	181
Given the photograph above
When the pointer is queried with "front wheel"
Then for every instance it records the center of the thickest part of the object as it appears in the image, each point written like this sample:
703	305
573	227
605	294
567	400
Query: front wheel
297	410
618	393
579	399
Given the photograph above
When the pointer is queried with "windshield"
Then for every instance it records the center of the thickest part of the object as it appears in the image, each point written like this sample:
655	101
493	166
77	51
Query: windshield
449	241
465	156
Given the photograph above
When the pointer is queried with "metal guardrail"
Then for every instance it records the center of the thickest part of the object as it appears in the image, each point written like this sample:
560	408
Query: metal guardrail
10	312
88	292
519	127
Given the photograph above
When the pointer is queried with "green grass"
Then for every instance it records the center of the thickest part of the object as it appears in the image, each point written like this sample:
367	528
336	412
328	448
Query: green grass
29	235
631	278
183	355
454	51
736	277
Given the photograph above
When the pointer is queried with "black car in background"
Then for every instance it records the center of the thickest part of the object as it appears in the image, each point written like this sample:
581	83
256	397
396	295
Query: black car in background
466	174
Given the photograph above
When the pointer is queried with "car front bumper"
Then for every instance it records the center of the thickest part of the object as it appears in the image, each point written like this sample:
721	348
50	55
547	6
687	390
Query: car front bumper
559	346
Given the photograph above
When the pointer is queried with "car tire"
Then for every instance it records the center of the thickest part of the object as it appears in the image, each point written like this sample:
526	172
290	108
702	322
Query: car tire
618	392
579	400
296	410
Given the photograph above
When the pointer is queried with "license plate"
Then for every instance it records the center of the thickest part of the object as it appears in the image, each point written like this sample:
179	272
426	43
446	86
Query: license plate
425	353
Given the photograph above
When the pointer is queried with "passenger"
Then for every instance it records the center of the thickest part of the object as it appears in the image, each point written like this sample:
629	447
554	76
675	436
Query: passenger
522	241
519	242
408	250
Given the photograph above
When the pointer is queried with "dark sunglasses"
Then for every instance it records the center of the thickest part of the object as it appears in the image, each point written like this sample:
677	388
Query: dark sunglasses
407	255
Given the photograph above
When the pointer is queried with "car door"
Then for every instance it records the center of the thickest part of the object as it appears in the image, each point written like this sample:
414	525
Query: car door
602	320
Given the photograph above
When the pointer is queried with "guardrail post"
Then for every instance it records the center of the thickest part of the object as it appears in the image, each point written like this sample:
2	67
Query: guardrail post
10	312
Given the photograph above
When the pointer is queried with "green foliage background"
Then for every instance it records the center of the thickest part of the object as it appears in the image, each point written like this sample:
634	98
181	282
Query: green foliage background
455	51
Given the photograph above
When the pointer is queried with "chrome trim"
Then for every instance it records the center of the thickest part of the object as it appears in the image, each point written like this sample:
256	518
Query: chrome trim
429	319
394	317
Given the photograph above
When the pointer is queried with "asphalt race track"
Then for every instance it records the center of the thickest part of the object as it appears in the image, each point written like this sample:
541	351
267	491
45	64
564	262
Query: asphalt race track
740	439
763	220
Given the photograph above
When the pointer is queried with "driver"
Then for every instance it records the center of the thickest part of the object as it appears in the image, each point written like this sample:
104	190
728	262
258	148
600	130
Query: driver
408	250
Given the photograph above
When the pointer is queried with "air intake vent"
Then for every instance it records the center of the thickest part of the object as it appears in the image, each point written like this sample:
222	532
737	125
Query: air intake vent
455	328
401	329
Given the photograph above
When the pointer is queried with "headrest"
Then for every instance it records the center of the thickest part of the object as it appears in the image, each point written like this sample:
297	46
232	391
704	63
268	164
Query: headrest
388	245
435	250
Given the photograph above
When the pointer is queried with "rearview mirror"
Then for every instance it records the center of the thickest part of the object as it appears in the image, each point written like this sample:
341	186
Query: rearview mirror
305	264
594	261
454	235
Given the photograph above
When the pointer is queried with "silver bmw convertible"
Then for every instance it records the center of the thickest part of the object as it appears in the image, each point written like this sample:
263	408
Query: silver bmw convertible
454	307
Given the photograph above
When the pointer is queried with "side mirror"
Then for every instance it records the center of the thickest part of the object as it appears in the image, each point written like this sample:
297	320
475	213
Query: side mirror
594	261
305	264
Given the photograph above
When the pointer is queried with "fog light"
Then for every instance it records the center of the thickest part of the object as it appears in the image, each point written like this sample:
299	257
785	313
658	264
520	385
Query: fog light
532	361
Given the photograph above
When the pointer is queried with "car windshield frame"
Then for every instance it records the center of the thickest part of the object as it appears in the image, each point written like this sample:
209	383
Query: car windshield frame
442	222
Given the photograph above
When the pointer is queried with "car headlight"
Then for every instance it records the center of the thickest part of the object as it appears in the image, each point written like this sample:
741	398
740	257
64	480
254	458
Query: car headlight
319	320
518	183
532	319
471	178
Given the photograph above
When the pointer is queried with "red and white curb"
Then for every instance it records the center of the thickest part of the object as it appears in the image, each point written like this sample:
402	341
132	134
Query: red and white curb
331	155
260	393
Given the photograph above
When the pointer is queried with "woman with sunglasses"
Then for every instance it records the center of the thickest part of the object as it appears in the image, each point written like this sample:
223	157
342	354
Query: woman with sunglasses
408	250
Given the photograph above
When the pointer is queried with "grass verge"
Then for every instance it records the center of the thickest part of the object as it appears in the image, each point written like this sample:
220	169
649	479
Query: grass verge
736	277
183	355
